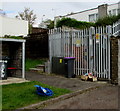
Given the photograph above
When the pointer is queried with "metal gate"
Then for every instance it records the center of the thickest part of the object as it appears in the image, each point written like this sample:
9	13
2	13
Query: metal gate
90	47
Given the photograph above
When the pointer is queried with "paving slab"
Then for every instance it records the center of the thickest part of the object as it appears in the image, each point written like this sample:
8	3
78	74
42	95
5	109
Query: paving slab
11	80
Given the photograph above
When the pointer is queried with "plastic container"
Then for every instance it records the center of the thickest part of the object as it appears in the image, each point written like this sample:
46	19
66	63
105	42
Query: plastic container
69	67
3	67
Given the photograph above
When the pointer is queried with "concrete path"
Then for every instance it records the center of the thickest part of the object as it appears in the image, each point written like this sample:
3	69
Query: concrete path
11	80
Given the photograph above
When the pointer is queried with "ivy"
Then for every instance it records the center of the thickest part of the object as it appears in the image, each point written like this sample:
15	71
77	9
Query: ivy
109	20
69	22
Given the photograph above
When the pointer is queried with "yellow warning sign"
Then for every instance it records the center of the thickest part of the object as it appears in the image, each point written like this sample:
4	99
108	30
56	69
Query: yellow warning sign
60	60
97	36
77	41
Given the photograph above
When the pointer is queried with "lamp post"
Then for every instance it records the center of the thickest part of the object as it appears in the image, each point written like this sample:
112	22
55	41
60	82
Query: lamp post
54	17
42	17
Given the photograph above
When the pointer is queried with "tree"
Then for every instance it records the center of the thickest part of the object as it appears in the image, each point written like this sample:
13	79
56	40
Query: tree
28	15
51	24
47	24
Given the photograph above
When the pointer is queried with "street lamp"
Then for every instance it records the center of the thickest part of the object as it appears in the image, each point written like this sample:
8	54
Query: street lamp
42	17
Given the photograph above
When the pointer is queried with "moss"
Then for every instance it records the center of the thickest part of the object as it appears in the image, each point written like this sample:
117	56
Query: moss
13	37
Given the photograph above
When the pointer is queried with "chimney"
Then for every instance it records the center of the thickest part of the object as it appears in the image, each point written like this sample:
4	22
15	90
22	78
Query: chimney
102	10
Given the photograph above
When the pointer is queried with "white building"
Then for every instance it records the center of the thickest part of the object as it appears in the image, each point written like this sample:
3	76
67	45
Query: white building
92	15
13	26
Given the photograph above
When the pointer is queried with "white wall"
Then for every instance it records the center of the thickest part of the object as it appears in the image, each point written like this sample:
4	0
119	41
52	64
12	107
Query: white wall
112	7
13	27
80	16
84	16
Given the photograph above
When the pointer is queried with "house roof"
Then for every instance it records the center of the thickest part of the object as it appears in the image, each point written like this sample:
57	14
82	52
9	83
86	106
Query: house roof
84	10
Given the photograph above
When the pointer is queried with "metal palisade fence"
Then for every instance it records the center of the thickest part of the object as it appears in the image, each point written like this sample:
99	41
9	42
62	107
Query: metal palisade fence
116	28
90	47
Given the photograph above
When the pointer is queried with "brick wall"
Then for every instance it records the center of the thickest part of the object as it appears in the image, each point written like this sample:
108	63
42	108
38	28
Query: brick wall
38	30
115	50
14	51
119	62
37	46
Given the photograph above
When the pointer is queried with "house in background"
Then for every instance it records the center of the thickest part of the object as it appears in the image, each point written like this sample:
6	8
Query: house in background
12	47
91	15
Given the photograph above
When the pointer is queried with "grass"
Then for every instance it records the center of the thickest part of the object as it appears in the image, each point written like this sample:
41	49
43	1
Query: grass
22	94
31	63
13	37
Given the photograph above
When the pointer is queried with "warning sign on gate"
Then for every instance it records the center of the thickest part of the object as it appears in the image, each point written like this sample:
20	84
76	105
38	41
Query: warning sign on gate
97	36
77	43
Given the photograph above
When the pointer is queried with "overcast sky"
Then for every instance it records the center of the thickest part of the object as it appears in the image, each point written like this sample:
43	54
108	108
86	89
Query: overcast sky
50	8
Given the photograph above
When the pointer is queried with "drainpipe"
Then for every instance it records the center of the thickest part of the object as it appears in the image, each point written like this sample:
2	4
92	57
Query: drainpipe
23	60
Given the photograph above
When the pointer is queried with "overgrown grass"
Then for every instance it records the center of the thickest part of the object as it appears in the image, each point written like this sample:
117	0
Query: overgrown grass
31	63
22	94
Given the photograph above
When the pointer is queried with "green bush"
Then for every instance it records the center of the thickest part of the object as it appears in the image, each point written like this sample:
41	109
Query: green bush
73	23
109	20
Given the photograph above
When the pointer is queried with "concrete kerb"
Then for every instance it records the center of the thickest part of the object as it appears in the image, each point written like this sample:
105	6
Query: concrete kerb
42	104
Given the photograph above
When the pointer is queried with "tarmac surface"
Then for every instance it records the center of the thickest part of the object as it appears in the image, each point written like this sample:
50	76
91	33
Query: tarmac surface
104	97
72	84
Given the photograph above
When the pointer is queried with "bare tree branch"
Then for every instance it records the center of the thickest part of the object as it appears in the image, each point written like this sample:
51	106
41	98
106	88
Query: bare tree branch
28	15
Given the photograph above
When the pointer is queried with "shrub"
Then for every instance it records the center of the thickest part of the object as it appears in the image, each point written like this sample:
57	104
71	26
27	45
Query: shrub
109	20
69	22
73	23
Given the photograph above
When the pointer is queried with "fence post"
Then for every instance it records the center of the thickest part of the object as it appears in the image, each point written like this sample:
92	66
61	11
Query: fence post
62	41
92	34
70	48
89	49
50	49
109	35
